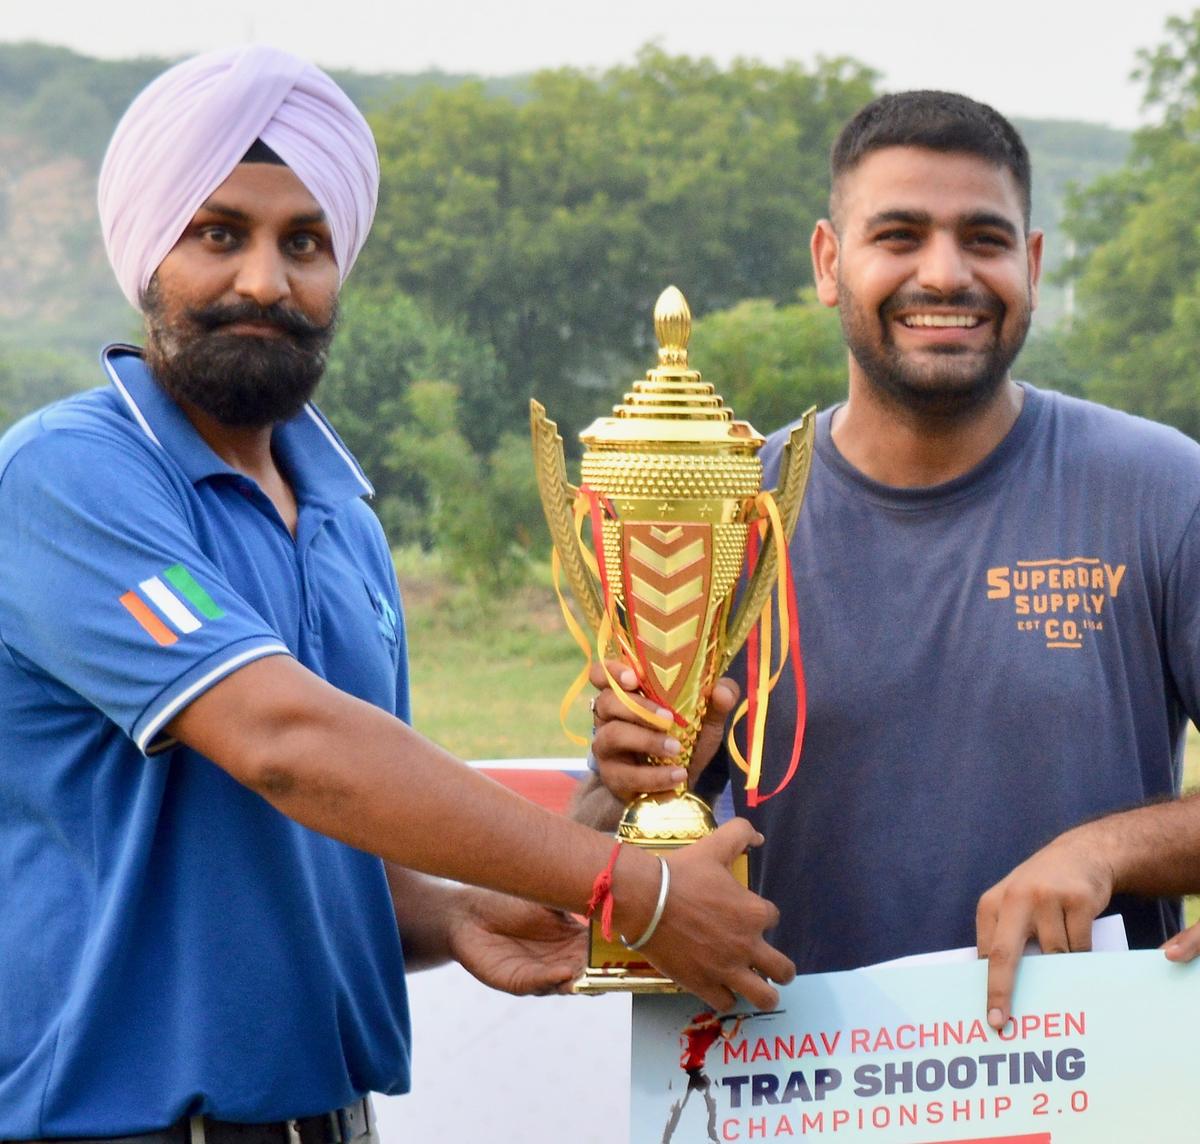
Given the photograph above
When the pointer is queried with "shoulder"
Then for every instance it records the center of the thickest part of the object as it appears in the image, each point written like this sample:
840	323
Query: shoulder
363	532
84	448
1116	463
84	425
359	520
1111	436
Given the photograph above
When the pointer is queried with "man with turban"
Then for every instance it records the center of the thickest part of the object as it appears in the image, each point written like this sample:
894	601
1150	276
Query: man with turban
203	691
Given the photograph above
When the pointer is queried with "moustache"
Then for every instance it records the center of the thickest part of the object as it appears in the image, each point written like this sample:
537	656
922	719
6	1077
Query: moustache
960	300
286	320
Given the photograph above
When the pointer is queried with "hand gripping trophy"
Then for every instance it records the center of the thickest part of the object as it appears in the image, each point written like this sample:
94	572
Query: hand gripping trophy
672	503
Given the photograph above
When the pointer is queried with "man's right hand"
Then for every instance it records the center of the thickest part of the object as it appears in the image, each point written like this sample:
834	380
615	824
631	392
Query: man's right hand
710	939
1052	898
622	742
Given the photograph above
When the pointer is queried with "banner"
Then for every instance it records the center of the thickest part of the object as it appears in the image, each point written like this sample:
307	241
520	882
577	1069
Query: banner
548	782
1100	1048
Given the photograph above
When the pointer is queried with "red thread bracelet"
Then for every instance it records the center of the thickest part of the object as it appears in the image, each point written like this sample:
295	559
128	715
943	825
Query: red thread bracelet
602	895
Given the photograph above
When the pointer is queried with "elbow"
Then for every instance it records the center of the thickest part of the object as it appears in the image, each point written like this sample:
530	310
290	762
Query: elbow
275	780
272	725
275	760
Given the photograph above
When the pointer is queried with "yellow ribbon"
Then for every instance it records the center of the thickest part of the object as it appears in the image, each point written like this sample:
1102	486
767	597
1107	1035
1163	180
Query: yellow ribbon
767	678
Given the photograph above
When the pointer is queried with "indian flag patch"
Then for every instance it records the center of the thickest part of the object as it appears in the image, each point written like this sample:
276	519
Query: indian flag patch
177	605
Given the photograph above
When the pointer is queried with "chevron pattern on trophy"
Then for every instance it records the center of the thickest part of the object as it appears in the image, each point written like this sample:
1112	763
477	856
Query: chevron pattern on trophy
669	574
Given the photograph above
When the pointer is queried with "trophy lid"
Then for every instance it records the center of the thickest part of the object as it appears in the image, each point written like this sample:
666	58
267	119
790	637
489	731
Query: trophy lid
672	406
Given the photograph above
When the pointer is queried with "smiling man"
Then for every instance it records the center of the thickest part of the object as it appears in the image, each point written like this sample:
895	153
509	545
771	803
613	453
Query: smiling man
204	750
935	296
999	595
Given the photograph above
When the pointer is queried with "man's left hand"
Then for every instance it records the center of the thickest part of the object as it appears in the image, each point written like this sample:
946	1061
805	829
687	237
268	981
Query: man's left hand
1053	898
516	946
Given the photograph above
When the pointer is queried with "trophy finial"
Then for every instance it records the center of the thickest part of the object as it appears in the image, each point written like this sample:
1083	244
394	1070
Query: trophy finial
673	328
671	392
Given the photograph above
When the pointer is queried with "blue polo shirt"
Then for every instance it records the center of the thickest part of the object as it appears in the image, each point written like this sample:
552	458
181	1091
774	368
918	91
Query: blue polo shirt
171	944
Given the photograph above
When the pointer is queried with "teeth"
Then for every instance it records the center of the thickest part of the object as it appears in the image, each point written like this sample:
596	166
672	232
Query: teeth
941	320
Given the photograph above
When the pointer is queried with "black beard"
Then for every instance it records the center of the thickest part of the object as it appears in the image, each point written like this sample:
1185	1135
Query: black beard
241	380
948	389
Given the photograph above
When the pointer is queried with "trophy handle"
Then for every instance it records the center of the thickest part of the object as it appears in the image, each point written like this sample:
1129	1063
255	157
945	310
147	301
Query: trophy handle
789	495
557	496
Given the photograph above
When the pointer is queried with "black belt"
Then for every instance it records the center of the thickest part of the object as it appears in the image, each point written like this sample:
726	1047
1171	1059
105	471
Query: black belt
337	1127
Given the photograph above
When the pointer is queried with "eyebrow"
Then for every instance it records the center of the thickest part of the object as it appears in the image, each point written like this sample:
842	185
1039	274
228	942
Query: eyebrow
914	218
993	220
924	218
313	218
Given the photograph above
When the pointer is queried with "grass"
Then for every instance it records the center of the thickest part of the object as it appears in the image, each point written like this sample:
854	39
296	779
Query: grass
488	676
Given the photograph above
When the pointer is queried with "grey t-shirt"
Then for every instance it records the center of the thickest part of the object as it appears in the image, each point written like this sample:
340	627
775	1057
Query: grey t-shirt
989	662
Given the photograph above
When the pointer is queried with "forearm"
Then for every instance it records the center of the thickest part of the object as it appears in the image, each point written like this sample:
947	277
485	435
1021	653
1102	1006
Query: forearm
356	773
286	735
1152	850
424	907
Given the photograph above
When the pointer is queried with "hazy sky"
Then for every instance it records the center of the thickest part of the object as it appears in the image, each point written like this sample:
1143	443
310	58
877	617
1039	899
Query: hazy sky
1043	58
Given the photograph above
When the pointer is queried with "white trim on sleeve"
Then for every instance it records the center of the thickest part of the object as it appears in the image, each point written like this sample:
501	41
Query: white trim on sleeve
180	701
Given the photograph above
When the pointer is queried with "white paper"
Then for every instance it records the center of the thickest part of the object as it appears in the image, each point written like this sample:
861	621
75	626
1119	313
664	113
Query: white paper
1108	936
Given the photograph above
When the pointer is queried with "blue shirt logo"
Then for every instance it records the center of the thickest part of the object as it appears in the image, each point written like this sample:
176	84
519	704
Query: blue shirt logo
385	615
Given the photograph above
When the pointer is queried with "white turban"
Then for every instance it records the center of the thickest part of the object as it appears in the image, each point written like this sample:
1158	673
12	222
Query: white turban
183	135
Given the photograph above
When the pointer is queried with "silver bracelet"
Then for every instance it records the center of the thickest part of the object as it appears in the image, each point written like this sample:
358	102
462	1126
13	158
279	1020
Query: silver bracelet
664	885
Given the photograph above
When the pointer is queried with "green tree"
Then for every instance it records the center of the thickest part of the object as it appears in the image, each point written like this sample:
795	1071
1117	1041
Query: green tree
481	512
772	362
65	116
65	102
385	343
30	378
1138	344
1064	155
549	226
6	387
1047	362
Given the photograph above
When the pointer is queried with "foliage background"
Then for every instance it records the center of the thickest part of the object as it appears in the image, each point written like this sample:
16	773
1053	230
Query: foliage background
526	225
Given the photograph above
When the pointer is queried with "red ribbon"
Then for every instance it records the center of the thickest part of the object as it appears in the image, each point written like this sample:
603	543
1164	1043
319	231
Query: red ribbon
630	642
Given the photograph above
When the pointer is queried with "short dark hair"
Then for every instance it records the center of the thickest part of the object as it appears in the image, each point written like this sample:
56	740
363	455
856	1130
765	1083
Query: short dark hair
938	121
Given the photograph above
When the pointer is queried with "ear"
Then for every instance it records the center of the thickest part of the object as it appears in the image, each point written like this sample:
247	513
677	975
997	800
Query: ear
824	246
1034	244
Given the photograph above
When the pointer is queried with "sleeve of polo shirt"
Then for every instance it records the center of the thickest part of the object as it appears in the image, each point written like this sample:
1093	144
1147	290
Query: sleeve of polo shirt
104	588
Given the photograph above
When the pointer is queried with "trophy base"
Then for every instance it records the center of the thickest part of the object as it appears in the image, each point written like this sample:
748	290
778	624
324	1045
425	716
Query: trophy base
659	823
623	979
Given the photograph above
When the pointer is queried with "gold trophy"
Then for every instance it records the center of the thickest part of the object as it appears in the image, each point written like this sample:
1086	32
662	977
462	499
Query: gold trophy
671	487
